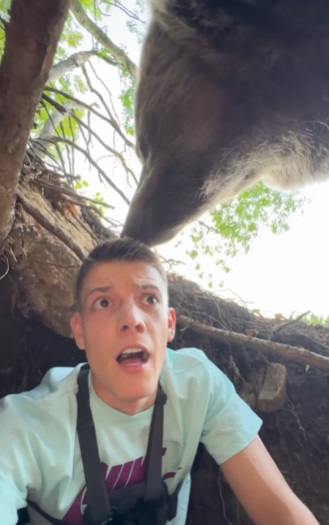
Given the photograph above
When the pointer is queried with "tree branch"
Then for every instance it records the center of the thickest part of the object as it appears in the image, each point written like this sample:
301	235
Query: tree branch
32	35
45	139
295	353
113	151
72	62
92	28
93	163
41	143
112	122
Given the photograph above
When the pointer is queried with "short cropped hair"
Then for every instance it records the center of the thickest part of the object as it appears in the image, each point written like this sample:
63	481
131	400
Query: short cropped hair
125	250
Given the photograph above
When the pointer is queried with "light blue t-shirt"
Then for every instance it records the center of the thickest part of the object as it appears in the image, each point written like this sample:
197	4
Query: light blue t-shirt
40	454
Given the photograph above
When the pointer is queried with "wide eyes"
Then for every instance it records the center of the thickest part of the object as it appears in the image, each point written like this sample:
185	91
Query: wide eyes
151	299
104	302
101	303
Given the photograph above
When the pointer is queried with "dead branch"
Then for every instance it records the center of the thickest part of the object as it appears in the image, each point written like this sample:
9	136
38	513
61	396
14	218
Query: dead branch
114	123
46	137
5	273
127	11
56	140
290	322
74	197
113	151
90	108
298	354
32	35
51	227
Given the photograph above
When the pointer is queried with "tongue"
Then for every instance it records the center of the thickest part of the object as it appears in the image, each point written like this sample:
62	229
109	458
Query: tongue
136	357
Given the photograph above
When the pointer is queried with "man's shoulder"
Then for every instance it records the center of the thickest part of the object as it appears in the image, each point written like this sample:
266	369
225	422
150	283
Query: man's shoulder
191	380
185	358
187	361
44	410
192	367
58	381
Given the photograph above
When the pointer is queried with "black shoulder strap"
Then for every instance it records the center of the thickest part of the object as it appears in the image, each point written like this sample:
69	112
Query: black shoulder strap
53	521
100	509
153	460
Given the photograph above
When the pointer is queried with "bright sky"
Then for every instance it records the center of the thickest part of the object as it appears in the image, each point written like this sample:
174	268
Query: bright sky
285	274
289	272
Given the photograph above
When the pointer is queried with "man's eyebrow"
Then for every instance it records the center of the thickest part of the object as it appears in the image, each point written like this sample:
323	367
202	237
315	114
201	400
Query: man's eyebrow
149	286
102	289
108	288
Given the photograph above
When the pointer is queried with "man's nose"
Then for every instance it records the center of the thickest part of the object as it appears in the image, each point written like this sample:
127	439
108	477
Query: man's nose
131	318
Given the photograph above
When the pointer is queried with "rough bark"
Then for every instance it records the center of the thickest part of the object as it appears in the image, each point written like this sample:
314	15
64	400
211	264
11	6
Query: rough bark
47	243
31	39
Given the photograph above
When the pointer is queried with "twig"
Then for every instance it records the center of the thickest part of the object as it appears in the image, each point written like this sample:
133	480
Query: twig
80	199
55	140
112	122
114	152
290	322
7	269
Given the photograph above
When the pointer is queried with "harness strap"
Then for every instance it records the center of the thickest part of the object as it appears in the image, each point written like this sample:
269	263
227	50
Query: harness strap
100	508
168	510
44	514
153	460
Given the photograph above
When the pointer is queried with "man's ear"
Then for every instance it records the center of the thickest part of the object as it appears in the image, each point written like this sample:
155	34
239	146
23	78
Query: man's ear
77	330
171	324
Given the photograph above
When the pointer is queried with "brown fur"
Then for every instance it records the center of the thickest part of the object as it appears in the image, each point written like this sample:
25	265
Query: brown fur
229	92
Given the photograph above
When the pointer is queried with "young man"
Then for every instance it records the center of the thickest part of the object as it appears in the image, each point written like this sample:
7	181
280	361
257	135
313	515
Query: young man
123	322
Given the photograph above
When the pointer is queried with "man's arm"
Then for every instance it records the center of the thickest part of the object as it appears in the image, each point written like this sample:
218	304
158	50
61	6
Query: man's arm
262	490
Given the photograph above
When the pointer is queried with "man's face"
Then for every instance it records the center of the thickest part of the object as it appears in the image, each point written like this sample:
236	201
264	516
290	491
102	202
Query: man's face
124	325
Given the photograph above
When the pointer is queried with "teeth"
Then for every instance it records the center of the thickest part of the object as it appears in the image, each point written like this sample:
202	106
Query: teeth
135	353
131	351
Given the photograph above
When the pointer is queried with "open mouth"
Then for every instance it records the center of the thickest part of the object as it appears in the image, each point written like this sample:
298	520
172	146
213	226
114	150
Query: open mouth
133	354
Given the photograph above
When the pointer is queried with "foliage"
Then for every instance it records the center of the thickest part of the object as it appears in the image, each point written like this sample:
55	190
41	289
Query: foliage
314	320
4	17
233	226
126	98
239	221
72	38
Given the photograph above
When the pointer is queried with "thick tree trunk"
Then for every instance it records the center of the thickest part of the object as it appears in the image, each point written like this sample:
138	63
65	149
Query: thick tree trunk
48	240
31	40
